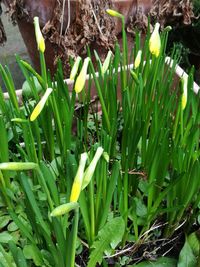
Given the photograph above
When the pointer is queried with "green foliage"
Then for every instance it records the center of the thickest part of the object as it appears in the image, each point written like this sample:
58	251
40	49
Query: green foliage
108	237
148	172
161	262
186	257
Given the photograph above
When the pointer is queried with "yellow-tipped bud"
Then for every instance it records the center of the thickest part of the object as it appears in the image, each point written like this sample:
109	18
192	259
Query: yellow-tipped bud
39	37
138	59
185	89
114	13
78	180
107	62
63	209
18	166
80	81
75	68
39	107
91	168
155	42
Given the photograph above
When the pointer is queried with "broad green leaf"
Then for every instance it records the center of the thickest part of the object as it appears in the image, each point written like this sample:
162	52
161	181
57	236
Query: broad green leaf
187	257
12	227
161	262
110	235
4	220
31	253
5	237
26	89
194	243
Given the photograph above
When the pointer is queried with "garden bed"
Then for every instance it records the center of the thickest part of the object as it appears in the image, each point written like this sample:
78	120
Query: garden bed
119	188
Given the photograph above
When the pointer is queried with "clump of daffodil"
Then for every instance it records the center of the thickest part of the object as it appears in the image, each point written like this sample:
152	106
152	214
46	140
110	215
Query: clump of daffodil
107	62
80	81
138	59
39	36
155	42
39	107
91	168
114	13
64	208
78	180
185	90
18	166
75	68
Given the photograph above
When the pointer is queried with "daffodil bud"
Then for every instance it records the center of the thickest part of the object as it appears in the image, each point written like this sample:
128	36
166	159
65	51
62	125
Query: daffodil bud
39	37
78	180
63	209
80	81
114	13
75	68
107	62
18	166
91	168
138	59
185	89
19	120
167	28
155	42
39	107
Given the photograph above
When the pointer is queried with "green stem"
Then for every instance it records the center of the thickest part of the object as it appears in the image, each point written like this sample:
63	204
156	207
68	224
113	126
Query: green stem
100	97
125	54
92	215
74	238
43	67
3	189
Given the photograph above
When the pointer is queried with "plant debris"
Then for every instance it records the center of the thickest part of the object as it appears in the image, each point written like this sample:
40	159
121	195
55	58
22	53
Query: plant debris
172	12
92	27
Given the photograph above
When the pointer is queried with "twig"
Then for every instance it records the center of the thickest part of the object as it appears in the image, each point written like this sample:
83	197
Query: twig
69	16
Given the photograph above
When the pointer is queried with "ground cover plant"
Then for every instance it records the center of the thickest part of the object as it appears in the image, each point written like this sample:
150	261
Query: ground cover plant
109	180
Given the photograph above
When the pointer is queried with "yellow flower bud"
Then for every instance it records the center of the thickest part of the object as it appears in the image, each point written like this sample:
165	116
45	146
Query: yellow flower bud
138	59
106	62
91	168
77	185
75	68
63	209
39	107
80	81
155	42
18	166
39	37
114	13
185	89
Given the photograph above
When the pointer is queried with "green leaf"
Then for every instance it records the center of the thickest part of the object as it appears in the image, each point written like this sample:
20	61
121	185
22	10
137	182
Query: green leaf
5	237
161	262
26	89
194	243
12	227
4	220
31	253
141	209
187	257
110	235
